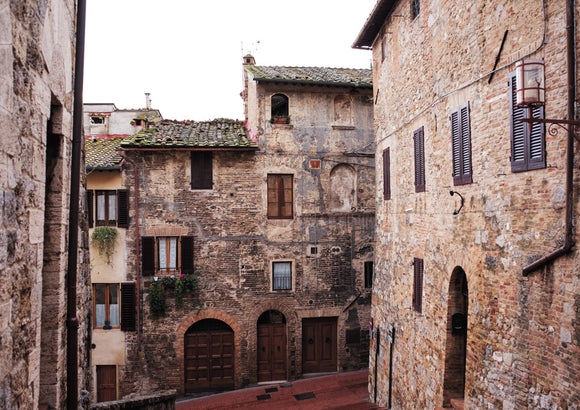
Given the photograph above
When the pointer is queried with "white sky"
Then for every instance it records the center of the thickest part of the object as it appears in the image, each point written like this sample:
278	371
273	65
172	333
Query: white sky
188	53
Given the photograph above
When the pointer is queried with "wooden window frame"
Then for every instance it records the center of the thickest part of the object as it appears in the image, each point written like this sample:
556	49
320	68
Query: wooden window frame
167	239
461	145
418	270
201	170
527	140
107	193
122	208
387	174
150	255
277	289
419	148
107	304
280	187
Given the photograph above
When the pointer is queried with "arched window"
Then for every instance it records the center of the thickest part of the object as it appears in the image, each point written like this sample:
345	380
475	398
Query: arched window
342	188
279	107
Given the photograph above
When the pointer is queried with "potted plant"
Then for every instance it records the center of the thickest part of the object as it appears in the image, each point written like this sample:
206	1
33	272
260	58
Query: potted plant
107	325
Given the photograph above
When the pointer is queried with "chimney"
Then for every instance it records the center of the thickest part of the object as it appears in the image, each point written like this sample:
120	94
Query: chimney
249	60
147	101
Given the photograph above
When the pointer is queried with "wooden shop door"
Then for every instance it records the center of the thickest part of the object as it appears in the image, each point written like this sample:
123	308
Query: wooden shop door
106	383
209	356
319	345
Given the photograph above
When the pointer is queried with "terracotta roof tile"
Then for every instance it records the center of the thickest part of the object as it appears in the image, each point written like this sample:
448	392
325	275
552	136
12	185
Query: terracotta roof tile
220	134
352	77
101	151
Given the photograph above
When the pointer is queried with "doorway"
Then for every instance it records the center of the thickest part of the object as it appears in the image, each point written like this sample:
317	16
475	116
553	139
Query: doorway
271	346
319	339
106	383
456	345
209	356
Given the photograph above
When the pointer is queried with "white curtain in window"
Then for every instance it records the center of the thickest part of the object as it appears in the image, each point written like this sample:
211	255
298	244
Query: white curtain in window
282	275
162	254
101	207
100	315
112	207
173	254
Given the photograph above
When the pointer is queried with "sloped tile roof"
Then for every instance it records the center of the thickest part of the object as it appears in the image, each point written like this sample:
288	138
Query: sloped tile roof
101	152
341	77
217	134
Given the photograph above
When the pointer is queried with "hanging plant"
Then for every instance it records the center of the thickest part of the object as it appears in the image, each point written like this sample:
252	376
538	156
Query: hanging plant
156	299
178	292
104	238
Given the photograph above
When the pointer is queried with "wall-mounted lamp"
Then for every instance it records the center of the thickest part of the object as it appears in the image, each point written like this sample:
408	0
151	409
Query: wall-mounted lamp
530	83
462	201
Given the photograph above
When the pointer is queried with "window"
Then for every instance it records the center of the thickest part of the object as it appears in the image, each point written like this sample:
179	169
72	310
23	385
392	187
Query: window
419	143
386	174
528	144
97	120
384	47
280	202
415	8
282	276
201	170
461	145
106	305
369	270
279	108
108	208
418	285
167	255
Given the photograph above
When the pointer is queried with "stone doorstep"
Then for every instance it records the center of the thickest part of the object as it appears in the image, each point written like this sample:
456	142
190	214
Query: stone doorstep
457	404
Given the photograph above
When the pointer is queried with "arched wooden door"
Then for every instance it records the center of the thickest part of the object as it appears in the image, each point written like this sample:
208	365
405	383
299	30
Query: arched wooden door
209	356
271	346
456	345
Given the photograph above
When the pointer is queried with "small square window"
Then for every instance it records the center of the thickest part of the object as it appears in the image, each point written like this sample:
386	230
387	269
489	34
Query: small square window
282	276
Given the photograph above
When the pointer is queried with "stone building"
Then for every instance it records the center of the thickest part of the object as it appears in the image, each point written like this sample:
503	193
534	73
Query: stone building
469	198
274	221
41	363
114	289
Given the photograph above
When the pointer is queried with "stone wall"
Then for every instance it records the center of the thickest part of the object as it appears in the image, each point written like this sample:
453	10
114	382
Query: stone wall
36	57
522	346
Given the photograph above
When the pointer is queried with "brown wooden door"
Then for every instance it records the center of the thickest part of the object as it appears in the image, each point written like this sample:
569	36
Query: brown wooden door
319	345
271	351
106	383
209	361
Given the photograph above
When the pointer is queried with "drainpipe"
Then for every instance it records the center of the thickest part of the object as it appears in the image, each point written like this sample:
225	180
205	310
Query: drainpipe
72	322
569	238
137	271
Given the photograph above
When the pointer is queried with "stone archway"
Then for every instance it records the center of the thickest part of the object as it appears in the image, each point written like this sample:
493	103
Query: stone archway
456	340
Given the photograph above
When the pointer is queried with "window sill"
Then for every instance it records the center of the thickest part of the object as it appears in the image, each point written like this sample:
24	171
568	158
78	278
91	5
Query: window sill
343	127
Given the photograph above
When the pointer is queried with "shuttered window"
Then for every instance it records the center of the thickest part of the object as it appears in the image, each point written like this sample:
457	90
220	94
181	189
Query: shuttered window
386	174
280	193
128	306
461	145
201	170
528	143
418	285
108	208
105	305
167	255
419	143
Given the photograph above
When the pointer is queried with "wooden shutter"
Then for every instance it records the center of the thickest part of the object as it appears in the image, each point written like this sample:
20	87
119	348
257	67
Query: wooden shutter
418	285
90	206
386	174
280	196
128	306
148	255
123	208
201	170
187	254
461	145
419	143
528	142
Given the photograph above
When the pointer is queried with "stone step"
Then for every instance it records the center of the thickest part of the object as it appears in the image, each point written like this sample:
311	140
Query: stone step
457	404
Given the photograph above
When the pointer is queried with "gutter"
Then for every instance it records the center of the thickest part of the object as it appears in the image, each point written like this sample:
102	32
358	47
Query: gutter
571	67
72	323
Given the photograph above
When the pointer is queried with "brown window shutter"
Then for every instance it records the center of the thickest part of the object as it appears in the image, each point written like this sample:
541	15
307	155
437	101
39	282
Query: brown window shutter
418	285
90	206
280	196
201	170
148	255
187	254
461	145
128	306
123	208
286	188
419	143
537	140
386	174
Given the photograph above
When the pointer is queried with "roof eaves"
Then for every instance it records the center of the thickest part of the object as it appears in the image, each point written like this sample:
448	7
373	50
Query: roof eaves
373	25
313	82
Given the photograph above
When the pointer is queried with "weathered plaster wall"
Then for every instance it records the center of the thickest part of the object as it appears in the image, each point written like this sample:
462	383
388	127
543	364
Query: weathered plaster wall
522	342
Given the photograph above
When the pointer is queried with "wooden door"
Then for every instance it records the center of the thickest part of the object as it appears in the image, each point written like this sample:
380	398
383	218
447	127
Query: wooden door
271	351
106	383
209	360
319	345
